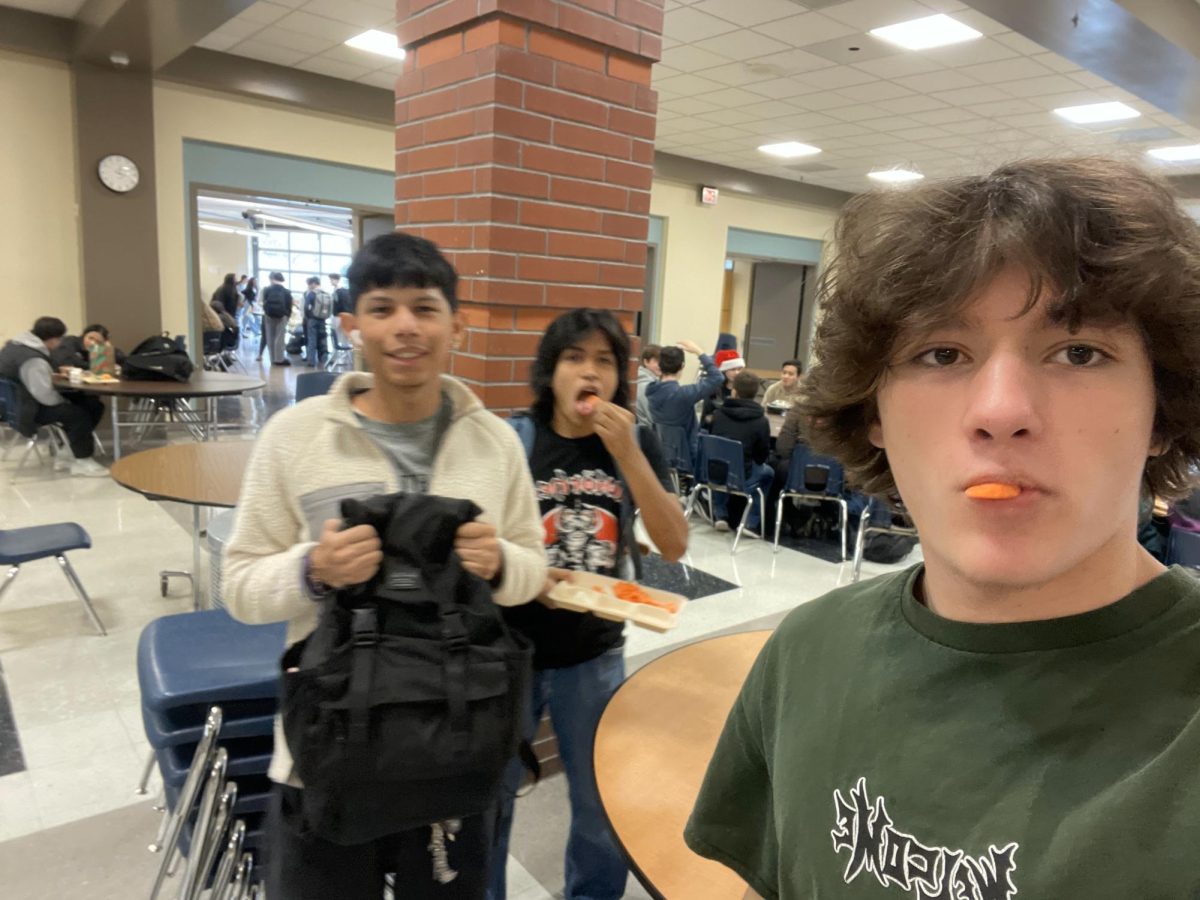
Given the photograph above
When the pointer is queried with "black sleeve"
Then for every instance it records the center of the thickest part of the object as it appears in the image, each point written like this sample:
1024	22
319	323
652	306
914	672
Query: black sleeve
652	449
762	442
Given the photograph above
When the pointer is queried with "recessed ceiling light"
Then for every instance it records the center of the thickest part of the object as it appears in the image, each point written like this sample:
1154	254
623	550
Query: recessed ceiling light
895	176
376	41
926	33
1090	113
789	149
1176	154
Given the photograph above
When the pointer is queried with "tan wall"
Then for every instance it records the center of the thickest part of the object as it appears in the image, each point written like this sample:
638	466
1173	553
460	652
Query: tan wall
39	226
181	112
220	253
694	251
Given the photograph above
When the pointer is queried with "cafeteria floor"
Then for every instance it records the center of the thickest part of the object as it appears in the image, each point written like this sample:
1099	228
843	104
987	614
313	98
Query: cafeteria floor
71	742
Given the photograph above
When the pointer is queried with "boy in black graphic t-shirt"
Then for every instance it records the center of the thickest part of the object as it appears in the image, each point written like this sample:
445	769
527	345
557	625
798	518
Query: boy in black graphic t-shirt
592	466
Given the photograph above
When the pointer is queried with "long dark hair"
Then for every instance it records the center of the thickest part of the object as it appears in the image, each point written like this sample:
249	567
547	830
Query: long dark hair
567	331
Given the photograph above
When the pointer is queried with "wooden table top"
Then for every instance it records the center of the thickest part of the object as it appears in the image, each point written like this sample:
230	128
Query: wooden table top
652	750
201	384
203	473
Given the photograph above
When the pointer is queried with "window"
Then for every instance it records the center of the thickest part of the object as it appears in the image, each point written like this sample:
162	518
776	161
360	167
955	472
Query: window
300	255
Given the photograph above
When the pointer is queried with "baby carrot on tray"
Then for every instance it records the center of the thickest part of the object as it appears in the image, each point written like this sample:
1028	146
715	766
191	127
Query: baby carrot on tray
611	598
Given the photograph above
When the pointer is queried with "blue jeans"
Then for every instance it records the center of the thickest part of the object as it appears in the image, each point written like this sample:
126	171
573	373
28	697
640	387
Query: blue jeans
316	347
761	476
576	696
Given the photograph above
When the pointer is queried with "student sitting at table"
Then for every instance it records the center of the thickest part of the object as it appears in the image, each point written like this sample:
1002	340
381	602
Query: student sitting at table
742	419
1016	356
592	467
90	350
405	426
786	391
25	360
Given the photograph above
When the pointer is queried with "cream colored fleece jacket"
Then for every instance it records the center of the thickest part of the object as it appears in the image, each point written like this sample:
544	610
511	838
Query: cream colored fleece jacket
311	456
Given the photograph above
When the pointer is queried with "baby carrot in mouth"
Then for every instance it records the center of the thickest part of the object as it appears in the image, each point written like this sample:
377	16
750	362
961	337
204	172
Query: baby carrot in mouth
993	490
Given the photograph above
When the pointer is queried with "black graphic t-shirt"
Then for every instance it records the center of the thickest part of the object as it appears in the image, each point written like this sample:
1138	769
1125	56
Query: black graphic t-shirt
580	497
878	750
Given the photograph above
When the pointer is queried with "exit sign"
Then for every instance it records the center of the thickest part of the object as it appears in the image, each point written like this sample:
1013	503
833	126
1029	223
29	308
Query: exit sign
708	196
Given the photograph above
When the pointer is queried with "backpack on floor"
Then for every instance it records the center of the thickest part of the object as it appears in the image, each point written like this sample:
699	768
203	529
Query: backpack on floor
404	706
158	358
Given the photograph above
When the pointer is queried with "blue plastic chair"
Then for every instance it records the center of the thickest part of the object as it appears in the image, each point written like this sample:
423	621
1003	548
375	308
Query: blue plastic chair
865	527
314	384
1183	549
724	454
22	545
10	408
802	468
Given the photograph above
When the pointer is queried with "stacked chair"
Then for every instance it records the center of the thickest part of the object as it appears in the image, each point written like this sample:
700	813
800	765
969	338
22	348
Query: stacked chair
813	478
209	689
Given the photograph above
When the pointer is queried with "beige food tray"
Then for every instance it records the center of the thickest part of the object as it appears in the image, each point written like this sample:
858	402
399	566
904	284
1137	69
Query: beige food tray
579	595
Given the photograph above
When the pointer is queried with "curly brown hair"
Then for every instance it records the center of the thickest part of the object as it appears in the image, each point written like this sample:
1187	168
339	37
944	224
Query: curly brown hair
1104	238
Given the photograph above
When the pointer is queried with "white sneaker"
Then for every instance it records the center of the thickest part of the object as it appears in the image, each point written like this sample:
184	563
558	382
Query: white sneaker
721	525
88	468
63	460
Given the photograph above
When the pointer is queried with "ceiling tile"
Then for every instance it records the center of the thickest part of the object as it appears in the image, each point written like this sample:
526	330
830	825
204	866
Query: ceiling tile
1056	62
820	101
688	24
972	126
659	72
971	53
924	133
317	26
1070	98
263	12
238	29
977	20
1019	42
1006	70
1010	107
891	123
1033	87
835	78
689	105
1026	120
840	130
215	42
859	112
790	62
736	74
688	85
353	12
853	49
730	97
983	93
946	80
741	45
899	65
689	59
805	29
943	116
771	109
874	92
779	88
868	14
917	103
292	40
1089	79
747	14
729	116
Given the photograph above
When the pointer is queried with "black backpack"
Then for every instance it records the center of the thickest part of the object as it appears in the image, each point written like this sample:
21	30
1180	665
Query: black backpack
404	706
158	358
275	301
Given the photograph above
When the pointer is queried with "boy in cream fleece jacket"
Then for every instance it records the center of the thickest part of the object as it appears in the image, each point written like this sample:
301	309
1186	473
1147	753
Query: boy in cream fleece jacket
406	426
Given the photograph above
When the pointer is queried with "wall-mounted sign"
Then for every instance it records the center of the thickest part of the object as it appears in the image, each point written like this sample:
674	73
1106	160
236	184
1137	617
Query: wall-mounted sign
708	195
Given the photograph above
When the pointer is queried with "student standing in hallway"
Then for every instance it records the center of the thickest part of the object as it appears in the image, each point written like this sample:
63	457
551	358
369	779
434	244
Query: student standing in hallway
318	306
277	307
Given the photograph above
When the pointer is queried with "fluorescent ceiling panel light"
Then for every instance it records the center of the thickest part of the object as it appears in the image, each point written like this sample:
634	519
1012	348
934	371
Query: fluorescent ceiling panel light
789	149
208	226
1176	154
376	41
895	176
299	223
1091	113
926	33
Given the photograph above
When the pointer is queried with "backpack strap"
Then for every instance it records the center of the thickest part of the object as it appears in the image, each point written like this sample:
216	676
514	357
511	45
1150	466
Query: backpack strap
364	629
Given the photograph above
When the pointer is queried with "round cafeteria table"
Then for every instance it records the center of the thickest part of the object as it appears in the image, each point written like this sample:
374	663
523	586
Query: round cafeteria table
207	473
169	396
652	749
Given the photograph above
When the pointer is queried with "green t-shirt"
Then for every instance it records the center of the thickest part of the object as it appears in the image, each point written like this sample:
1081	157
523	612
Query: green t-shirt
879	750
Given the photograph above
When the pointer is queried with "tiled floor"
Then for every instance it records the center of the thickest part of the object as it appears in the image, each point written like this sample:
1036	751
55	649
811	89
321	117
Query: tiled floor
73	696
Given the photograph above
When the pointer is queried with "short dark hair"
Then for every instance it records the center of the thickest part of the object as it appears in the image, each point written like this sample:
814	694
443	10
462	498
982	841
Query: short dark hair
566	331
312	279
402	260
1104	239
746	385
794	363
277	276
650	351
98	328
332	276
47	328
670	360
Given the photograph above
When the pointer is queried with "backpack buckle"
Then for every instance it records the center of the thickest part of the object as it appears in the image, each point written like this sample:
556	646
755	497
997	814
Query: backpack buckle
364	627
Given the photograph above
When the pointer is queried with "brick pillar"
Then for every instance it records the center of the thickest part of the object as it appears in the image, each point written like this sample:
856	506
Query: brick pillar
524	148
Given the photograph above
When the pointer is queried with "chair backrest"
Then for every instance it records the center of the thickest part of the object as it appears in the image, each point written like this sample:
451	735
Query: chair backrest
676	448
802	460
1183	548
731	454
313	384
212	342
10	404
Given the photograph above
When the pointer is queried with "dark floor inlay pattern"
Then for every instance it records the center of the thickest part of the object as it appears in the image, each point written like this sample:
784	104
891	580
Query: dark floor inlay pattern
11	758
681	579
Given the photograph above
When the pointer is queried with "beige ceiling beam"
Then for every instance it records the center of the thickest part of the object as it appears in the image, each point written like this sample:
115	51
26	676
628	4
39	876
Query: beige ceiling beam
37	34
151	33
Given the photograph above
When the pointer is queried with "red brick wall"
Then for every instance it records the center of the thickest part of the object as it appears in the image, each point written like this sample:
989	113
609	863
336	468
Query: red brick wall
524	148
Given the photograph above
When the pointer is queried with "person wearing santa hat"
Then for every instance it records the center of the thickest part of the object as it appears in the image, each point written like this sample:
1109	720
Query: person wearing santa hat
730	364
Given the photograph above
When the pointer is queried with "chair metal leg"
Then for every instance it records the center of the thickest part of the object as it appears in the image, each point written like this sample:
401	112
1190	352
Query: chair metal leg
778	521
193	877
223	881
845	510
146	773
69	571
860	543
31	444
741	526
9	579
201	762
241	878
221	824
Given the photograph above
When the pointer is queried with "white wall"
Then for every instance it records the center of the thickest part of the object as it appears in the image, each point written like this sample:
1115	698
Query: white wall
39	212
220	253
182	112
694	251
